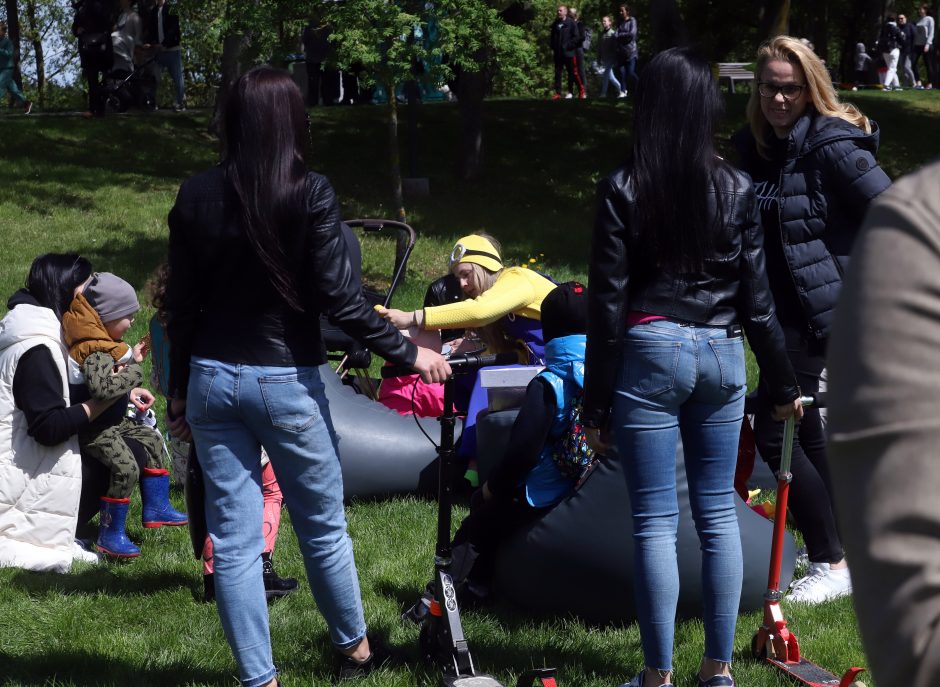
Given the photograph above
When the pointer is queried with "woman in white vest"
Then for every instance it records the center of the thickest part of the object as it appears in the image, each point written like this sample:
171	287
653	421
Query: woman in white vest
40	467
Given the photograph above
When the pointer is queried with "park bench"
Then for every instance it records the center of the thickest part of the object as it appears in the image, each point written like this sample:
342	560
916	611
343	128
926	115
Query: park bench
734	71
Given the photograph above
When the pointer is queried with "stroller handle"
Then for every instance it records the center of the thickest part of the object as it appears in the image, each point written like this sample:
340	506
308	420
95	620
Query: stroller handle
459	364
406	235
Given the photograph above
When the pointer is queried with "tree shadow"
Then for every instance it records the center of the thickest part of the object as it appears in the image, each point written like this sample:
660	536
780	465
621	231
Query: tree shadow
77	668
100	580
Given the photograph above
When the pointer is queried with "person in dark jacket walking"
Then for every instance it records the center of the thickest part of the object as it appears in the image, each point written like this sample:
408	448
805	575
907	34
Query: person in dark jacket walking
583	44
626	35
907	45
257	239
92	27
7	63
813	162
671	285
163	35
564	41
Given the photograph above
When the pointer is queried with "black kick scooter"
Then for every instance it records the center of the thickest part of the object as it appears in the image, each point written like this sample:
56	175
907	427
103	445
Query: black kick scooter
442	639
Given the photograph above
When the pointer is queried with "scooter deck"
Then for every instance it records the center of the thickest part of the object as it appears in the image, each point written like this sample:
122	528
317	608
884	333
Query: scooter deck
807	672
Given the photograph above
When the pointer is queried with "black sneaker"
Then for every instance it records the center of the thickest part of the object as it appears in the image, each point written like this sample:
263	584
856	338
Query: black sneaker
381	657
274	586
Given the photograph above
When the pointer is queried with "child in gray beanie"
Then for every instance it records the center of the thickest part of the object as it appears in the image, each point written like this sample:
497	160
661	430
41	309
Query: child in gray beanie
94	328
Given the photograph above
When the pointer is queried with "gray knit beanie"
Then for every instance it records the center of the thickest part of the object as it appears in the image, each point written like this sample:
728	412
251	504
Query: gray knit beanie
111	296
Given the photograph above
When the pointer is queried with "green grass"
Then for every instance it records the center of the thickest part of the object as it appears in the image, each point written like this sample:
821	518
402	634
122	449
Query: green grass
103	188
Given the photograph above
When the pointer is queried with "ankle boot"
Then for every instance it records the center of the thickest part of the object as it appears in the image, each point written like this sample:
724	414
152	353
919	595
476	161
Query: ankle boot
112	539
274	586
155	493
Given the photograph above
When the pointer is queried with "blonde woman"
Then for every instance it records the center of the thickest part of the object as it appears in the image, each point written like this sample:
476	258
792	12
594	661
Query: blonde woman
503	305
812	160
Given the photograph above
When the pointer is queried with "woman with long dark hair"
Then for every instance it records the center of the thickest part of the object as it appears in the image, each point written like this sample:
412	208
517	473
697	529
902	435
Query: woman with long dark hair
256	254
812	159
677	268
47	488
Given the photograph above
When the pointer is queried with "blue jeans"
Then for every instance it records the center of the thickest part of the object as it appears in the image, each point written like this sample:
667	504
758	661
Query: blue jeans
608	77
233	410
172	61
689	380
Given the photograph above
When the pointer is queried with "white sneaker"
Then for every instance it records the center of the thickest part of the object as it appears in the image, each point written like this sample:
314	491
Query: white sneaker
80	553
569	96
821	583
623	94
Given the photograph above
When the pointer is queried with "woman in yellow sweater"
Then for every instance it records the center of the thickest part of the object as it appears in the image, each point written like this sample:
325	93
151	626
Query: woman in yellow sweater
503	305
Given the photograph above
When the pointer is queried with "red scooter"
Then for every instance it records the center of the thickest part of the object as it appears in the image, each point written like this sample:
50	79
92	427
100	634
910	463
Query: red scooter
774	642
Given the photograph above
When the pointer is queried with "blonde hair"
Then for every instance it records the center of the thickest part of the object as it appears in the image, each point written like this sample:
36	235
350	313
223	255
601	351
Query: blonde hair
492	334
822	93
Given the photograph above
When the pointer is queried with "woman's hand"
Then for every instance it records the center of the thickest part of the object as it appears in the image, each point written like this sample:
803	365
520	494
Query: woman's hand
598	439
785	411
142	399
176	420
432	366
399	318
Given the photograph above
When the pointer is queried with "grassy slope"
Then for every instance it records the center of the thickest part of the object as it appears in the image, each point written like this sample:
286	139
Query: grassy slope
103	188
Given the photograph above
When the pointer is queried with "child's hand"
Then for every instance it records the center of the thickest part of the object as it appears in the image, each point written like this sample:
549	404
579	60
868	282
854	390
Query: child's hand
142	349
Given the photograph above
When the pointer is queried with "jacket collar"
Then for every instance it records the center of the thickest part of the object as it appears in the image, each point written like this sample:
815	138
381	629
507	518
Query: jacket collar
813	131
564	356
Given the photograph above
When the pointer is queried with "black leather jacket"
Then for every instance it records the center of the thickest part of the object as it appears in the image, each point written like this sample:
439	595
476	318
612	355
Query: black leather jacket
732	288
222	305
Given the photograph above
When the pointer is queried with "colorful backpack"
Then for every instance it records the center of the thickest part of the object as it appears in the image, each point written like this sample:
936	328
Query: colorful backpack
570	450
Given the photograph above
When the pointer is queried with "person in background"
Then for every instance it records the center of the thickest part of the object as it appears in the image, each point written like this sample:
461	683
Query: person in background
626	34
7	63
884	410
671	285
563	40
862	66
890	45
607	57
907	46
257	239
812	159
583	45
162	34
923	44
92	26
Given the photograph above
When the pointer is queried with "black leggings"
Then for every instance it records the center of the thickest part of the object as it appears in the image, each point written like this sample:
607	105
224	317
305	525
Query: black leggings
810	502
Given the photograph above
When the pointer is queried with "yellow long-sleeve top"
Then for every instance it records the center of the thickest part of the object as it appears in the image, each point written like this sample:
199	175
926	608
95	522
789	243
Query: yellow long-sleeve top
517	290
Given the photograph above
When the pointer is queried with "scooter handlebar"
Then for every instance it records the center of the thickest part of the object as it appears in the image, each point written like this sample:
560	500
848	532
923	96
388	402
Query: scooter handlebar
817	400
459	364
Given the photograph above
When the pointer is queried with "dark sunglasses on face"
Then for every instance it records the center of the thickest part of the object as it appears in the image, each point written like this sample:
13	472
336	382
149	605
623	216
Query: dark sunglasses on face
790	91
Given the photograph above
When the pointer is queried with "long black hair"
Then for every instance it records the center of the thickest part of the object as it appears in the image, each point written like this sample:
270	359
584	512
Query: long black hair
265	135
678	108
53	278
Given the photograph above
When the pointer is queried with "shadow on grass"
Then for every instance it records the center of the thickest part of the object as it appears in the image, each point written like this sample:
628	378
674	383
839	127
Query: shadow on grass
82	668
493	649
132	256
100	580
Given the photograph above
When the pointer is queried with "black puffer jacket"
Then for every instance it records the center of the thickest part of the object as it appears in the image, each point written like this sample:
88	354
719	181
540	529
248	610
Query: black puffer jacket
731	288
826	183
222	305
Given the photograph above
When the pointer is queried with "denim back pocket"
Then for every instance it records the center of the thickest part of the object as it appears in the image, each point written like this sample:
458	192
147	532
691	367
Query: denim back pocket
199	394
290	400
650	367
730	355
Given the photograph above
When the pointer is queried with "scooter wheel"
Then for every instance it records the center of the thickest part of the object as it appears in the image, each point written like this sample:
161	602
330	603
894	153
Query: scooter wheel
857	683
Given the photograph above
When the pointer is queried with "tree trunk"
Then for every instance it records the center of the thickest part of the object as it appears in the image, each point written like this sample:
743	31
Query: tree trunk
471	91
233	47
36	40
13	33
666	26
394	157
776	18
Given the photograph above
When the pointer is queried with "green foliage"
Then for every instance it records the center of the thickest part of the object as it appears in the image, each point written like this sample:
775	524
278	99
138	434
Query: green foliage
395	41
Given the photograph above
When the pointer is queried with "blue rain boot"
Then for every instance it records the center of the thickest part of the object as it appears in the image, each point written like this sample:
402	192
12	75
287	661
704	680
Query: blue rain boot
112	539
155	493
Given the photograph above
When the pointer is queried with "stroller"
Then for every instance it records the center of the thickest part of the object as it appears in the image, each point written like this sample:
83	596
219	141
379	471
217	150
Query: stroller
125	89
342	348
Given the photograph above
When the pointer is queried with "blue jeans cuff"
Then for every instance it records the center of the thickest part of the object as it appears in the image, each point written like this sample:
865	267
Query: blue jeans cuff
263	680
351	643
